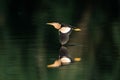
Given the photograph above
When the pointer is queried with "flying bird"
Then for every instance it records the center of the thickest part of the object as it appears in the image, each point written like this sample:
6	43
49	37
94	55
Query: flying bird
64	31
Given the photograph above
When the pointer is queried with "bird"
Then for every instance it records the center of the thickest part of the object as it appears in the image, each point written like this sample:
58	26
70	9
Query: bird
64	58
64	31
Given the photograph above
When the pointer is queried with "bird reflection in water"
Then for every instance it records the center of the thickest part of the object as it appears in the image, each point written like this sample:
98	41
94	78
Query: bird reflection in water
64	32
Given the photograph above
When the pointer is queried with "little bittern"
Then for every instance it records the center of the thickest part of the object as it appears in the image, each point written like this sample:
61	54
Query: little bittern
64	31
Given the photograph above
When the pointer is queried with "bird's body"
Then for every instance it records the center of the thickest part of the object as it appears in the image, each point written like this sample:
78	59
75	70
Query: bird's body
64	57
64	36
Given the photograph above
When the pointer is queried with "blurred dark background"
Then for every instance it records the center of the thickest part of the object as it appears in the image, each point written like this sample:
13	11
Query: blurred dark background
27	44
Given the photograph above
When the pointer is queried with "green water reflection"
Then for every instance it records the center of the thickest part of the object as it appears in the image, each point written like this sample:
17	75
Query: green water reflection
27	45
22	60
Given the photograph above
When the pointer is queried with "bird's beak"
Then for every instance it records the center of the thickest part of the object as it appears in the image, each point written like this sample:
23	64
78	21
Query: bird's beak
77	29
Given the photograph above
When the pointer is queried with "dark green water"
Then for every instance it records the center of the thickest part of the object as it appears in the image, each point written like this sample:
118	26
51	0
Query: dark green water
21	60
28	45
27	57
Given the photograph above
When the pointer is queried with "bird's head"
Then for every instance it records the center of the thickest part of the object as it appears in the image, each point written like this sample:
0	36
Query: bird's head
56	25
